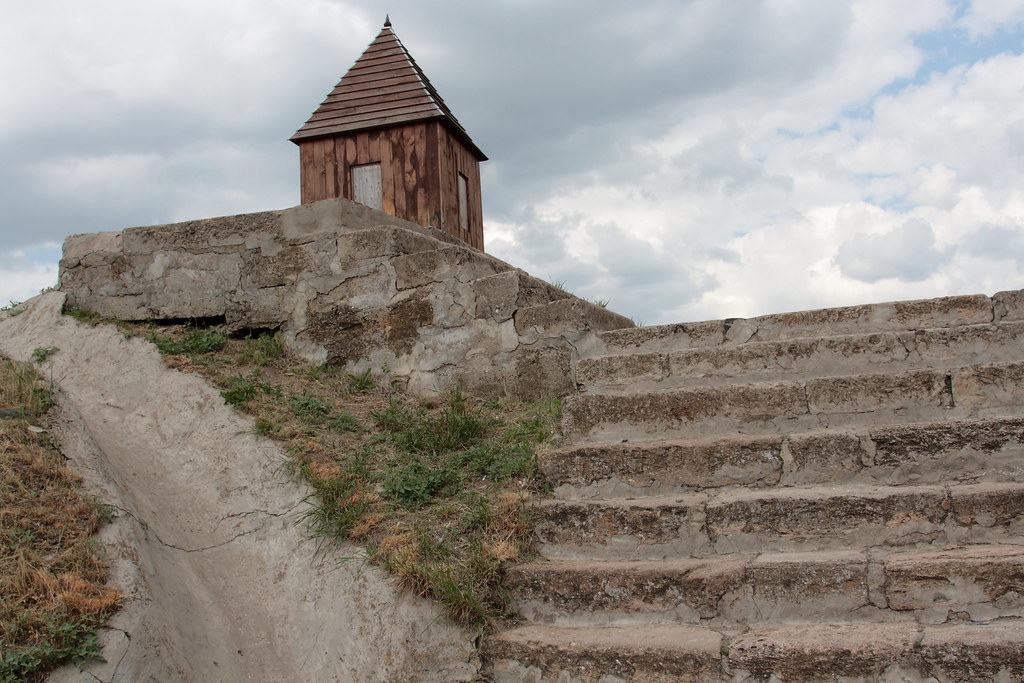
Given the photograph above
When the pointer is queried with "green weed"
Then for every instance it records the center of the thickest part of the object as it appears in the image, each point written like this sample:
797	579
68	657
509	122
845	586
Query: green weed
345	422
63	638
310	409
240	390
360	384
41	353
262	349
196	341
11	309
84	315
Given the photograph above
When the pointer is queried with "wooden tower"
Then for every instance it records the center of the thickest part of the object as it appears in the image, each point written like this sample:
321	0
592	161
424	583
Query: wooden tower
385	138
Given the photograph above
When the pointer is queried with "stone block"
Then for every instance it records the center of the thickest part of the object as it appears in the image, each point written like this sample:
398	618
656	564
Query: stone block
95	248
456	263
382	242
1008	305
567	315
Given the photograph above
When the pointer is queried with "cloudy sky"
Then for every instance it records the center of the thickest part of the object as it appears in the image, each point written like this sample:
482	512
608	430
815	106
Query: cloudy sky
683	159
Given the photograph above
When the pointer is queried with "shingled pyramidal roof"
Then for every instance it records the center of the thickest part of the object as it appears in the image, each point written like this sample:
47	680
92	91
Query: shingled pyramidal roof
385	87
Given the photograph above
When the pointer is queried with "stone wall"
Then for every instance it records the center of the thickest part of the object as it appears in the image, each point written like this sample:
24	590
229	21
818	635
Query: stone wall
349	286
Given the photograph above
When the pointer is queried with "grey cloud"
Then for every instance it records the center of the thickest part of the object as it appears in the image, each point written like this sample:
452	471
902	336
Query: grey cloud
905	253
716	164
997	242
722	254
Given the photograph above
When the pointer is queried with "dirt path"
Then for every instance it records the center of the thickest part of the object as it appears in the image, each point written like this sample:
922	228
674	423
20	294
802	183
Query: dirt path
222	584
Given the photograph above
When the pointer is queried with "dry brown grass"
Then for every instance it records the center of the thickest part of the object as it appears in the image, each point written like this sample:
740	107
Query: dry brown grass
52	575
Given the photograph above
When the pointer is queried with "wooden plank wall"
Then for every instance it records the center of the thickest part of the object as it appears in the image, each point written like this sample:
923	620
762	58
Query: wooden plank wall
419	164
455	159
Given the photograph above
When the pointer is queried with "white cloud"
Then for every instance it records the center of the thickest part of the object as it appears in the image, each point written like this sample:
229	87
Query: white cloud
24	276
985	17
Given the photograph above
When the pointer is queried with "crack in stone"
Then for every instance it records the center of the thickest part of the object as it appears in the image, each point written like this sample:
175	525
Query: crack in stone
113	676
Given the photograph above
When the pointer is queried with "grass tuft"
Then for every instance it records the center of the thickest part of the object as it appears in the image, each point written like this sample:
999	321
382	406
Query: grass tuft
196	341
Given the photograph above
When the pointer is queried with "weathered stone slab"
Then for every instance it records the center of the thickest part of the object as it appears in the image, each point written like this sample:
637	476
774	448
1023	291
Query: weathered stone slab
668	464
805	652
827	322
650	654
660	337
568	315
975	652
458	263
805	357
984	582
1008	305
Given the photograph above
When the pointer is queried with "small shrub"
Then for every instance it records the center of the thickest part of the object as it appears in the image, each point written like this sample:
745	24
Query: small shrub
41	353
394	418
453	427
241	390
196	341
360	384
63	639
412	482
345	422
84	315
262	349
308	408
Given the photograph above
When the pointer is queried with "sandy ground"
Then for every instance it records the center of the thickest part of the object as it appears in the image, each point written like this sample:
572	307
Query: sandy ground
222	584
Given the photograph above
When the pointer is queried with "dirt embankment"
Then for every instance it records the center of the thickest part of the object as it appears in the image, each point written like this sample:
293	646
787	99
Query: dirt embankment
222	585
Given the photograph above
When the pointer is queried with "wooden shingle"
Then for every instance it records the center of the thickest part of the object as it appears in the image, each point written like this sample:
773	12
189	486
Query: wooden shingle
385	87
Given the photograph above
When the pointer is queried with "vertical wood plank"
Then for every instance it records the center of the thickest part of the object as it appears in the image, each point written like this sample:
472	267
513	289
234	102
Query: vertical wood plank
319	175
373	141
432	170
424	179
350	161
411	175
387	170
340	174
398	157
306	172
363	148
330	170
444	177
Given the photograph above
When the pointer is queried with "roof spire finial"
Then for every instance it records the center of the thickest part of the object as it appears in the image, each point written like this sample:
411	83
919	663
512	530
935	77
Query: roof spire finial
387	21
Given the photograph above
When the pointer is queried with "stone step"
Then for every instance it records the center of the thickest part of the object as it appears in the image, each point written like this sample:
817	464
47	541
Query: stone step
382	242
806	357
568	316
885	317
848	652
848	586
791	519
567	655
781	407
962	451
462	264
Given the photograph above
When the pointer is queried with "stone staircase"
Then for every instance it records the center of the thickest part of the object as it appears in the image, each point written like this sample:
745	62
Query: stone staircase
825	495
